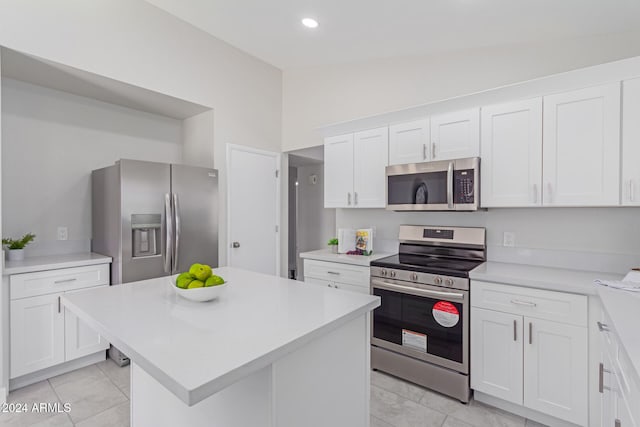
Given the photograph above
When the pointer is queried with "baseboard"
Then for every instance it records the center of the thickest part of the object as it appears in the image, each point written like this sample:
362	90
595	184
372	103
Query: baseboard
521	410
63	368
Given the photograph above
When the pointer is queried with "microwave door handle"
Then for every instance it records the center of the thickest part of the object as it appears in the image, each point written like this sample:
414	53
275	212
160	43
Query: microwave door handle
450	186
416	291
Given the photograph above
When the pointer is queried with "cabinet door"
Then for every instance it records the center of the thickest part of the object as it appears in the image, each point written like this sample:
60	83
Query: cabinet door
496	354
371	156
631	142
555	370
409	142
511	150
37	334
581	147
79	339
338	171
455	135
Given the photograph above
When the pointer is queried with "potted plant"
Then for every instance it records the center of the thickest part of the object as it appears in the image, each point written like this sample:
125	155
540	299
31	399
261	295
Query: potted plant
333	245
16	247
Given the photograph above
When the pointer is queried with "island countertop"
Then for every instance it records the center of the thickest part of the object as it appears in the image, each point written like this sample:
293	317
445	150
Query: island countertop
197	349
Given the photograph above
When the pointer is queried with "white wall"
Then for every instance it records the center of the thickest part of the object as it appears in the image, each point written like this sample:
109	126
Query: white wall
139	44
596	239
51	142
316	225
318	96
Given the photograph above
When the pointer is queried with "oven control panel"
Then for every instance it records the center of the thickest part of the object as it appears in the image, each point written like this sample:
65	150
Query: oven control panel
413	278
464	186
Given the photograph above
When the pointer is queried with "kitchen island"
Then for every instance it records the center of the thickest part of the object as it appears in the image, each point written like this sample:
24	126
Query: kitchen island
269	352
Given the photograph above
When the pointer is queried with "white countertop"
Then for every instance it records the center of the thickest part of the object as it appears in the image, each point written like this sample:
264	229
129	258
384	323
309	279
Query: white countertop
197	349
554	279
623	308
53	262
327	255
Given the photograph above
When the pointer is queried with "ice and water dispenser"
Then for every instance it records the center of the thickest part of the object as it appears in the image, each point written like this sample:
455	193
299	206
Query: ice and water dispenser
145	229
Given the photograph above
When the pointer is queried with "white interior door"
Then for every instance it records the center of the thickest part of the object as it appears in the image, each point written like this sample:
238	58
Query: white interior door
253	197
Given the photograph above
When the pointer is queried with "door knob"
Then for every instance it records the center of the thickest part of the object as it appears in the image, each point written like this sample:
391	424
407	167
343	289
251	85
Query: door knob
235	245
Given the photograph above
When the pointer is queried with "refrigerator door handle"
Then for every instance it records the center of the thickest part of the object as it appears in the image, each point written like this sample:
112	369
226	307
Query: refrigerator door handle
176	217
168	219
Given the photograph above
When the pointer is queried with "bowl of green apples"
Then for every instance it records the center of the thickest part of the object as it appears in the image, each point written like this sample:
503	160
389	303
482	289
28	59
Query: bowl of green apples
199	283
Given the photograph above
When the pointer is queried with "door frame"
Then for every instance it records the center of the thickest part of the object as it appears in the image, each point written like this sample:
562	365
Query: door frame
278	157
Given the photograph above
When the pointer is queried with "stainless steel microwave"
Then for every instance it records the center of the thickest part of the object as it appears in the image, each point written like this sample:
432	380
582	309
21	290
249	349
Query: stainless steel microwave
449	185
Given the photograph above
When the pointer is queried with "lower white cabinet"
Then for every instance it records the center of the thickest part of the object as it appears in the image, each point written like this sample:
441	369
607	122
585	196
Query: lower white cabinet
348	277
522	354
37	334
79	339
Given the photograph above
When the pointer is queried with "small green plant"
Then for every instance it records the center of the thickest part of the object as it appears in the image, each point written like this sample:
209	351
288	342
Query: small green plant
19	243
333	242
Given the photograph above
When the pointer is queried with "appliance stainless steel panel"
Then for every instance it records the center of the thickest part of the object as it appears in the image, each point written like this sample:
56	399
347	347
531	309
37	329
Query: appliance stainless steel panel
144	186
195	216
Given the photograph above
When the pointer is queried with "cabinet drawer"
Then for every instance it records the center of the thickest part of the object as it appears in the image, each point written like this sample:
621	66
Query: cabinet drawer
537	303
53	281
334	272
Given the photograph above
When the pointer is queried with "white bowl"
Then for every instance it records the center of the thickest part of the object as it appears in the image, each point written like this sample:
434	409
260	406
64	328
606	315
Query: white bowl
200	294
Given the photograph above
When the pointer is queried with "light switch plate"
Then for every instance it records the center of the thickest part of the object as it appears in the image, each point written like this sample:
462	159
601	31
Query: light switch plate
509	239
63	233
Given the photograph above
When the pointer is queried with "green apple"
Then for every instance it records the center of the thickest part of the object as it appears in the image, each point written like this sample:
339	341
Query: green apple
200	271
214	281
196	284
183	280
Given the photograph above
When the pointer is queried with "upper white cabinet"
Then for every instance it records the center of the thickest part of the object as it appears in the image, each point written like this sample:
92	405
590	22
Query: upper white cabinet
511	151
581	156
338	171
354	167
631	142
455	135
409	142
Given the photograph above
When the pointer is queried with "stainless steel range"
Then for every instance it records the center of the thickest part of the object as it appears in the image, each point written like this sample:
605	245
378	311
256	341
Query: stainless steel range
421	330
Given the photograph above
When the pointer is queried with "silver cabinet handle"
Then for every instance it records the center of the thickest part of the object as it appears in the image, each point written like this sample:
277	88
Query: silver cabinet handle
235	245
355	198
65	281
433	150
176	219
530	333
59	309
617	423
450	186
169	233
415	291
515	330
349	199
550	191
525	303
535	193
424	151
601	378
333	272
602	327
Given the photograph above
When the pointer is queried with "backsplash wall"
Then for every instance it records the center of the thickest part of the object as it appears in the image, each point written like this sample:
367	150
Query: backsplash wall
595	239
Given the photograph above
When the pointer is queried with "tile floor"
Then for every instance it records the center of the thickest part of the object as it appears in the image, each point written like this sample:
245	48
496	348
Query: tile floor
99	396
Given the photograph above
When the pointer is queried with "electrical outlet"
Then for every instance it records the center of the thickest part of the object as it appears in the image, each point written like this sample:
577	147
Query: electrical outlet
509	239
63	233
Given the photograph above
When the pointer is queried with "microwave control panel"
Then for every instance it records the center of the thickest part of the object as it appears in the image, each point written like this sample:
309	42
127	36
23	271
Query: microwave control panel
463	186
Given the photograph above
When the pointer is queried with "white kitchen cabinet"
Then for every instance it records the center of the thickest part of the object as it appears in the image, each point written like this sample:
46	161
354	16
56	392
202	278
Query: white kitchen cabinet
455	135
79	339
371	157
338	171
555	369
354	167
37	334
631	142
496	356
511	151
529	347
581	153
409	142
348	277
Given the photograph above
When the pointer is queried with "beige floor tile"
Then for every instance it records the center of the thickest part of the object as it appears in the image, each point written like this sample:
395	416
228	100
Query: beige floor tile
36	393
531	423
85	375
89	398
58	420
453	422
119	375
402	412
396	385
118	416
480	415
377	422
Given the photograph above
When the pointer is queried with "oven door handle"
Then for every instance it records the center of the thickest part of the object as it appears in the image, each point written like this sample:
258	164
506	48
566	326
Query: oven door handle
416	291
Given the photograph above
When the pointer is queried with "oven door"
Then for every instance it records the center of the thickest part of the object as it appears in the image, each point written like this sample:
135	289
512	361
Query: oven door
428	323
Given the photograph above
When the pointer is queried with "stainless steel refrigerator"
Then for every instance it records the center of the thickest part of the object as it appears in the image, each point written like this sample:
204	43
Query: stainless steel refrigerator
154	219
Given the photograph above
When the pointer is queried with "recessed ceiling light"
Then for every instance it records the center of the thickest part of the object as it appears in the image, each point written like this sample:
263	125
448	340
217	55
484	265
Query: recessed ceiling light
310	23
